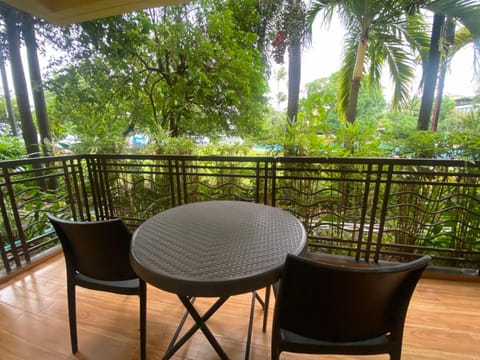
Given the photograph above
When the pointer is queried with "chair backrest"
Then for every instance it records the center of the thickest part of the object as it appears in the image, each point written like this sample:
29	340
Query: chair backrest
339	303
98	249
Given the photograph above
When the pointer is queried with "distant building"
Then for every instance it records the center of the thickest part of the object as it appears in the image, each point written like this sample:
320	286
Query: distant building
465	104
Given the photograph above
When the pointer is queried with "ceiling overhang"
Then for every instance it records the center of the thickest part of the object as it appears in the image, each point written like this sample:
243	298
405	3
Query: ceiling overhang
61	12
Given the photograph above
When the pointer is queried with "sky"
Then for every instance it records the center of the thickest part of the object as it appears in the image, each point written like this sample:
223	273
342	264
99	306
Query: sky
324	55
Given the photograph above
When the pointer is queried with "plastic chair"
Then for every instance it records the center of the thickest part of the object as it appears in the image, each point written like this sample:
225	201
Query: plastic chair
330	309
97	257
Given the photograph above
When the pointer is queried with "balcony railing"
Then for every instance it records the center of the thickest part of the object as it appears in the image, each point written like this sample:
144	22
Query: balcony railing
367	209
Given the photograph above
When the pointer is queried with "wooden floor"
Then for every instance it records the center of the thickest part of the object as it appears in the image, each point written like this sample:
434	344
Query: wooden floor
443	322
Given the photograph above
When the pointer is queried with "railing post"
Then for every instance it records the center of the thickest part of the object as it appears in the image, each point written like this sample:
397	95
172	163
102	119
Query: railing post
18	222
273	181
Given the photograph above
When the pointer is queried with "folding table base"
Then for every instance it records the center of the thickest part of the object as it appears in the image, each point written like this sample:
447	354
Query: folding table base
200	323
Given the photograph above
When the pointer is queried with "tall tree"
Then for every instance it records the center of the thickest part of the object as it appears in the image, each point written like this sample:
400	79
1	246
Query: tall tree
8	100
449	38
378	33
295	26
28	31
29	131
465	11
290	35
430	73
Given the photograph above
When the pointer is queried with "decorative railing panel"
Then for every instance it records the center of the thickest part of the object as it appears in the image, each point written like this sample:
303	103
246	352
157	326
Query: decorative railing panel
367	209
29	189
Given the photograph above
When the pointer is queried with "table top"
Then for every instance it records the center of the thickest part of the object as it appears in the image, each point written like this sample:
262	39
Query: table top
215	248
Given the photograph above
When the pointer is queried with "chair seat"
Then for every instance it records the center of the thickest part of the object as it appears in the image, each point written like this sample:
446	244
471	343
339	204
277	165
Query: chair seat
293	341
126	287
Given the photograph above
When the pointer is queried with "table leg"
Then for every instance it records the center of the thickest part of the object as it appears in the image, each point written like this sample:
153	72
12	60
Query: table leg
250	325
265	308
180	325
264	305
200	323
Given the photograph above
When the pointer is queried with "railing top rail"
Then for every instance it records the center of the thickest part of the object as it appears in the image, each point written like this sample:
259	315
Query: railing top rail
282	159
38	160
383	161
185	157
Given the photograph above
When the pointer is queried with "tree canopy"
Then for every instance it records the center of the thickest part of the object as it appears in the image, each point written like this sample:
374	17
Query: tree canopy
191	69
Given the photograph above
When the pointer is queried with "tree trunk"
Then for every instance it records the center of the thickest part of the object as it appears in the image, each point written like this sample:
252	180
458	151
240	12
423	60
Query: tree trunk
8	101
438	98
29	132
353	99
449	40
294	70
430	74
294	75
37	85
356	78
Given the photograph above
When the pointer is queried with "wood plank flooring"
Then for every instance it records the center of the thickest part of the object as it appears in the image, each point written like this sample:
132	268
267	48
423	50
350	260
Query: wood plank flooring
443	322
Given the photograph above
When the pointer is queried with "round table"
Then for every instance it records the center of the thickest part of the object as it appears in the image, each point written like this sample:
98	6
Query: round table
215	249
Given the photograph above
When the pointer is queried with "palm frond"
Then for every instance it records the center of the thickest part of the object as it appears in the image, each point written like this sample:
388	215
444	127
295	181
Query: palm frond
326	8
466	11
463	38
401	71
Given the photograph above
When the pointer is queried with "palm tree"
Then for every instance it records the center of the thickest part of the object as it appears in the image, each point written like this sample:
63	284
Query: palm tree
291	33
295	25
446	11
378	33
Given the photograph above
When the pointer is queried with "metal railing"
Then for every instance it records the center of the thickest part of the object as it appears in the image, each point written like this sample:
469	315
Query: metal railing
367	209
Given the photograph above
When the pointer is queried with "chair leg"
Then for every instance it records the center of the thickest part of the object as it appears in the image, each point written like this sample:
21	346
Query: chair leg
72	315
143	320
275	354
275	338
396	353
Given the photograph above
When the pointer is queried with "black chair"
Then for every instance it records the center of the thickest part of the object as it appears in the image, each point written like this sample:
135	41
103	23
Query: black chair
97	257
331	309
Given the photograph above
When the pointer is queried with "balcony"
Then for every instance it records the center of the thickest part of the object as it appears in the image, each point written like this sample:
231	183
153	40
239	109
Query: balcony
443	322
359	210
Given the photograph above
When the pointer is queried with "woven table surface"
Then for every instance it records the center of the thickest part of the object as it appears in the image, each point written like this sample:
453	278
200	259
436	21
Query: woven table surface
215	248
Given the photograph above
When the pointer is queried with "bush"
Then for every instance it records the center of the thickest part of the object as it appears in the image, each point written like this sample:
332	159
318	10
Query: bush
11	148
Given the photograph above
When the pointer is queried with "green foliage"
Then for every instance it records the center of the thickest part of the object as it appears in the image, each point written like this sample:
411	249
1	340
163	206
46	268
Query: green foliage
173	145
360	141
464	141
449	119
398	125
190	70
371	104
11	148
319	105
319	132
5	127
422	144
